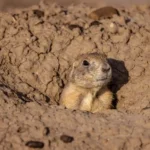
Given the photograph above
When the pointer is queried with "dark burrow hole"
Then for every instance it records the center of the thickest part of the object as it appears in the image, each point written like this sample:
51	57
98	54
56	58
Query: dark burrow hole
120	76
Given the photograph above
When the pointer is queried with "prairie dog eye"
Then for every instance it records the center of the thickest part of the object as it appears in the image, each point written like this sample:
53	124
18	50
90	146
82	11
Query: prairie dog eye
85	63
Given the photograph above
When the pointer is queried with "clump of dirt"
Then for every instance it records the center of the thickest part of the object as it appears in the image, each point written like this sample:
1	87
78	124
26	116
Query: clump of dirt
37	48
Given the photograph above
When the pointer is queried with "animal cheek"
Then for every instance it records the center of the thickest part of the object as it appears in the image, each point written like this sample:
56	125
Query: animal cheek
99	72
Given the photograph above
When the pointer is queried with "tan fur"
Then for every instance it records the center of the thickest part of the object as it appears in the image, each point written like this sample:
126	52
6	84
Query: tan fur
104	101
94	98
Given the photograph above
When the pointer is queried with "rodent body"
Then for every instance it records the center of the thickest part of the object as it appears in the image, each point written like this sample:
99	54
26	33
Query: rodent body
87	87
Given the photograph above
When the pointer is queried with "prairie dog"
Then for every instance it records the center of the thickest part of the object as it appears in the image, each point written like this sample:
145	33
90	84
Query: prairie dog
87	87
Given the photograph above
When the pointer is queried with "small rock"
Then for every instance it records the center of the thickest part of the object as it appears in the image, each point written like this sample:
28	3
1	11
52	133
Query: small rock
66	138
86	26
35	144
38	13
103	12
113	28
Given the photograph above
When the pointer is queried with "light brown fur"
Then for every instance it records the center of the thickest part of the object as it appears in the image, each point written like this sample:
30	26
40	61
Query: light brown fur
85	91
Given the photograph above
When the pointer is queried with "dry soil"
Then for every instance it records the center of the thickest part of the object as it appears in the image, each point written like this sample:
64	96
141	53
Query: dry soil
37	48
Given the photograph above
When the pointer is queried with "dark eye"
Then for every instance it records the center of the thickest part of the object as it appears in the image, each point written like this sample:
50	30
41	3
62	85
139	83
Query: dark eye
85	63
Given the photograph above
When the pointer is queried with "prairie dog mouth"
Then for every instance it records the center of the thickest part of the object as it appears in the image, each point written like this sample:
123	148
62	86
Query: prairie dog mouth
102	79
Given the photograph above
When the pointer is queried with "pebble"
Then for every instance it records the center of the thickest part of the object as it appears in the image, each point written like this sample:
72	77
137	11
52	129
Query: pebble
35	144
113	28
66	138
103	12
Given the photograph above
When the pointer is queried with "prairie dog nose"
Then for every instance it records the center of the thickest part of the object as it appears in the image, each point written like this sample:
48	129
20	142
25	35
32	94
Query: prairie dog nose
105	68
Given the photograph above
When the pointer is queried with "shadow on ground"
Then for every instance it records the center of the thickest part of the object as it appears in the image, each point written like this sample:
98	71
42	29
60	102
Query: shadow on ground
120	76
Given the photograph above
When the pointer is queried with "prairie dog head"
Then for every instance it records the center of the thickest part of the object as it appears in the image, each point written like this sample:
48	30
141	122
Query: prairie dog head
90	70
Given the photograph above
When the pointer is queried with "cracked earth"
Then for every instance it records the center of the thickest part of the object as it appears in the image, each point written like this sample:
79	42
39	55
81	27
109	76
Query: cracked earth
37	48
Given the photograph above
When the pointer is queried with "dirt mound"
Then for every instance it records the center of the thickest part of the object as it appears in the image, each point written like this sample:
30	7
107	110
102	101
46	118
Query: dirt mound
37	48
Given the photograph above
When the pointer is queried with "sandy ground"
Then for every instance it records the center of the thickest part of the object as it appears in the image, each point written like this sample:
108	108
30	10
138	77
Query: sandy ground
6	4
37	48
